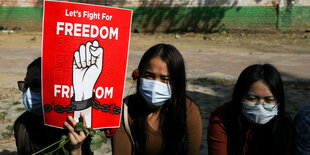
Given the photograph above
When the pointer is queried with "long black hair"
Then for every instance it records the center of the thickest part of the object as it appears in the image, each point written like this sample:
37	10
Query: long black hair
172	114
33	75
274	134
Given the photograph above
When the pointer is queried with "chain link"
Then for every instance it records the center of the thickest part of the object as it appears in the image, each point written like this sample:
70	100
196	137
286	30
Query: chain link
71	108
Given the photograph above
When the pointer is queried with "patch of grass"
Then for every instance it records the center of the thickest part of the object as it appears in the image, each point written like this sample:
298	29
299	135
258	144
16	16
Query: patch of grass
297	85
5	135
293	85
16	103
20	109
9	127
214	81
2	115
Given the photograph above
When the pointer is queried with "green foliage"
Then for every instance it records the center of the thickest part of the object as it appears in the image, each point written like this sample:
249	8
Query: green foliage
2	115
96	142
5	135
16	103
9	127
20	109
97	138
79	127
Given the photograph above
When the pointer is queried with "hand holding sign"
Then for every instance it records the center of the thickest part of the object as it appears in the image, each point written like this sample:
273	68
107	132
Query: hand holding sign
87	67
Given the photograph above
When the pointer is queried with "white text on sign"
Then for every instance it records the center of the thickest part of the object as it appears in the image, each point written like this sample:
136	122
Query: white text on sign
89	15
86	30
67	92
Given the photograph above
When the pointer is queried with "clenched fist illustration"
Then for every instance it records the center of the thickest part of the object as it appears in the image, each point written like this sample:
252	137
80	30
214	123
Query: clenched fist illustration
87	67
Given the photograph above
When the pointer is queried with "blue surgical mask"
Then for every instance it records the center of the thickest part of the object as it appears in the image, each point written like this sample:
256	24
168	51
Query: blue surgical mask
32	101
154	92
258	113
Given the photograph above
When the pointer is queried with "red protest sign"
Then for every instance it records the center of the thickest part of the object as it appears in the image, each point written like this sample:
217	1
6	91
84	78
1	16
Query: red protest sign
84	60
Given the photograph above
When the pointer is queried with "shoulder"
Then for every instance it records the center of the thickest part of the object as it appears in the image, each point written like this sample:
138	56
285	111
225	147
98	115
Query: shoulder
302	130
216	131
193	117
302	119
29	120
304	114
218	117
191	107
219	112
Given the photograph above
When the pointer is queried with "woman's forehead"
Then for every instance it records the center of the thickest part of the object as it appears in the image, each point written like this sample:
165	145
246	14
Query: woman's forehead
260	88
158	66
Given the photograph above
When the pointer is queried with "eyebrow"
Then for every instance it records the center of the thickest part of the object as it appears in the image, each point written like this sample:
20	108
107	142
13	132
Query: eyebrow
259	96
146	72
163	76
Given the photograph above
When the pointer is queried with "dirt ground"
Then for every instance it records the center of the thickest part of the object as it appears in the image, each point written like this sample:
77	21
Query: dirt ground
18	49
271	42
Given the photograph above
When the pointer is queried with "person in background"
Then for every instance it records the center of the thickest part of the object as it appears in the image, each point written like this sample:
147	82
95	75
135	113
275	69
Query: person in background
302	131
159	118
29	130
254	121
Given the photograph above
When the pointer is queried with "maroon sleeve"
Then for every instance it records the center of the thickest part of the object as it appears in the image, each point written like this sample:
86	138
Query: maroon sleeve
216	136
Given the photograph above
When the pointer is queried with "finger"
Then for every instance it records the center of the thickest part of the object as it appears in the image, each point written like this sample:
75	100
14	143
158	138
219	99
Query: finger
82	135
71	120
93	59
88	54
72	138
99	57
95	43
96	52
94	48
69	127
77	59
75	138
84	120
82	55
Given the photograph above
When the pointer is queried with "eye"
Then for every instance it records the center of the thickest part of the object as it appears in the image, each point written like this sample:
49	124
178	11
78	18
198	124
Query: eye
250	98
164	79
148	75
270	100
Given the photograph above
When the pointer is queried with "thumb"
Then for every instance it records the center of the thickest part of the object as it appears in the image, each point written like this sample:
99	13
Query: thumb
95	49
97	53
84	120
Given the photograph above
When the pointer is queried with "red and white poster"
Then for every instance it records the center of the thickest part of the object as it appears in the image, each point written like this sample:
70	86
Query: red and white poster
84	61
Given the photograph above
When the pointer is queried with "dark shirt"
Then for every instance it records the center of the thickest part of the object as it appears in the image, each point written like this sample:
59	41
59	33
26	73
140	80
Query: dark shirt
32	135
302	131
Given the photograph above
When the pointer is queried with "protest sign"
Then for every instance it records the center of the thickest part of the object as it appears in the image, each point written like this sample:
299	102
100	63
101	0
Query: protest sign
84	60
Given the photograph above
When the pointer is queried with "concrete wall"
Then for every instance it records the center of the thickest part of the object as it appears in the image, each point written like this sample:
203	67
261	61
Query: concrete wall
180	15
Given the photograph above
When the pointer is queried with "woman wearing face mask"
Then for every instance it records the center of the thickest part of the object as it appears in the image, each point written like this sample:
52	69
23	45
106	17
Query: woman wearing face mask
159	118
253	122
29	130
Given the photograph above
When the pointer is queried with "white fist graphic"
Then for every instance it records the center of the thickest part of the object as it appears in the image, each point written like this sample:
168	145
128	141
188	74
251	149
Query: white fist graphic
87	67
